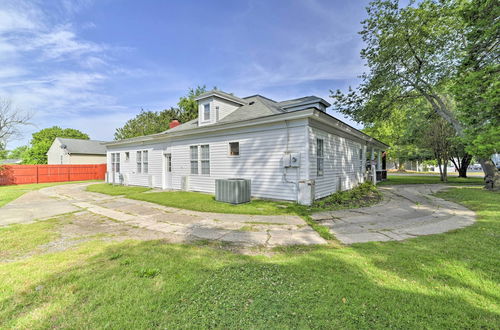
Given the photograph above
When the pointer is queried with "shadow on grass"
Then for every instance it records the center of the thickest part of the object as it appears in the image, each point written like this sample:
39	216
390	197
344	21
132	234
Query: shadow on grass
440	281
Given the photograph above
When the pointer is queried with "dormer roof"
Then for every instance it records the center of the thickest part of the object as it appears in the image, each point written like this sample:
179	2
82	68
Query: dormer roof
222	95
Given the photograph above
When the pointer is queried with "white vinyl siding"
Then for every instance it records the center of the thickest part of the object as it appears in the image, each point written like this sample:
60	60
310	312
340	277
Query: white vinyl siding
341	168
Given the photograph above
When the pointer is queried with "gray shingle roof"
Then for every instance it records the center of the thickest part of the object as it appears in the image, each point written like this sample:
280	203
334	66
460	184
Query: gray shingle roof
89	147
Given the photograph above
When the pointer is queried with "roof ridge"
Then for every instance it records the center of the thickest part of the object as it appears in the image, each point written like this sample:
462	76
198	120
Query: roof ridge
258	95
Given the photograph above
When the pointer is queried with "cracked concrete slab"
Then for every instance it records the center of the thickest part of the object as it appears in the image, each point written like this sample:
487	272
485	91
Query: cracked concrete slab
407	211
172	224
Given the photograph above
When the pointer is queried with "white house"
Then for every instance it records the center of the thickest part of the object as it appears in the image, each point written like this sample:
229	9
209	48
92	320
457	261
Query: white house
76	151
287	149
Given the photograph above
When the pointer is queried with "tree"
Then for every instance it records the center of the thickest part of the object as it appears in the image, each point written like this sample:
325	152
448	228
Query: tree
412	52
438	137
11	120
145	123
43	139
477	87
18	153
188	107
152	122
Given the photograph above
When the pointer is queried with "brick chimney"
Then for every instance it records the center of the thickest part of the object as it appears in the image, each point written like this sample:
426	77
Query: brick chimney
174	123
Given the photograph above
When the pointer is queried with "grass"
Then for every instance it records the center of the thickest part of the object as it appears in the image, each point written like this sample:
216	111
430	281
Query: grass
195	201
440	281
9	193
116	190
428	179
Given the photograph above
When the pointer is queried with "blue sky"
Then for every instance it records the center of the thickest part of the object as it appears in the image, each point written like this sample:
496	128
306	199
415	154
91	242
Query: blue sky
92	65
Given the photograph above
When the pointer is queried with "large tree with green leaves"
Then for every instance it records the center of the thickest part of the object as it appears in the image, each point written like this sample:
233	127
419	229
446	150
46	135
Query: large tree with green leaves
152	122
477	87
42	140
412	52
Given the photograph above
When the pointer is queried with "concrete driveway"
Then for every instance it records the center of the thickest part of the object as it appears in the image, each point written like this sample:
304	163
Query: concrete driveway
171	224
407	211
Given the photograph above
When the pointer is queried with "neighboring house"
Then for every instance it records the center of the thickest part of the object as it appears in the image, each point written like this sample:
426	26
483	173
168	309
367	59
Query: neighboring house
10	161
287	149
76	151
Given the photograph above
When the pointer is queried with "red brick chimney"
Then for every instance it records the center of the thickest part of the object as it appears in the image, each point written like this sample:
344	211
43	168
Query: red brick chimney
174	123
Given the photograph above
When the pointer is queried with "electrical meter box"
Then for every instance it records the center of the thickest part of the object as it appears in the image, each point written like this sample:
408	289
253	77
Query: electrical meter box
291	159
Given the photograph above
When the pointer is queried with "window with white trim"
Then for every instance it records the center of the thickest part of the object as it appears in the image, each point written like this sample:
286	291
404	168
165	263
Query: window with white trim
205	159
234	148
200	159
206	112
139	161
320	160
142	161
361	159
169	162
145	162
115	162
194	159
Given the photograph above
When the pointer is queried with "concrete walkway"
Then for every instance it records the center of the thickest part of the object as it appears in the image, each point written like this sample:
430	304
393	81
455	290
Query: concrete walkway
176	225
407	211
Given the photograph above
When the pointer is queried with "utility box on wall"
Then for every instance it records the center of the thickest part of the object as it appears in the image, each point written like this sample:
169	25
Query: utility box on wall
291	159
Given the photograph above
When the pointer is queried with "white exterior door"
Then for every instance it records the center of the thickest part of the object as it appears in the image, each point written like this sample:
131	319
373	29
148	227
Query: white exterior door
167	170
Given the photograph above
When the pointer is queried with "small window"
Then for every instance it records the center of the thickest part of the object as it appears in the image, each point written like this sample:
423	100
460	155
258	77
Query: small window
127	156
139	161
234	148
206	111
145	163
194	159
319	157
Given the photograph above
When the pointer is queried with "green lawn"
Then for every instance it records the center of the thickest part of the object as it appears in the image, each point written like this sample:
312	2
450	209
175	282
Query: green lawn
9	193
419	179
442	281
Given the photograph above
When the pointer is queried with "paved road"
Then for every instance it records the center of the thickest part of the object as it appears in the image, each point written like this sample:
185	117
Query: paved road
176	224
407	211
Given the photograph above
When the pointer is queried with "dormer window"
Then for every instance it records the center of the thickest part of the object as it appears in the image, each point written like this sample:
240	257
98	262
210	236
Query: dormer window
206	112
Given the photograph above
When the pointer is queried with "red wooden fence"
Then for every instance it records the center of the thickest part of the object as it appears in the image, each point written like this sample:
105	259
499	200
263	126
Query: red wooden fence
22	174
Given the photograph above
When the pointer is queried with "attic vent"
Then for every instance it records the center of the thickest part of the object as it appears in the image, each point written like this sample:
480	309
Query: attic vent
251	103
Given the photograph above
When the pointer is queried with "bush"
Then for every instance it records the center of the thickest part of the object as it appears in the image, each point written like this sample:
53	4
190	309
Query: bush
363	195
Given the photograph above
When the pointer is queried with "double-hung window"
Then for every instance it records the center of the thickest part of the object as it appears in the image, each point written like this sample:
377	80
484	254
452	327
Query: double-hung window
142	161
206	112
361	159
115	162
200	159
194	159
320	159
139	161
205	159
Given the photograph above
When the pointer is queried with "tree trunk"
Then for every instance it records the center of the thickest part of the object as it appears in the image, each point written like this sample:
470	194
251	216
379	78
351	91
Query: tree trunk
445	171
440	169
491	174
464	165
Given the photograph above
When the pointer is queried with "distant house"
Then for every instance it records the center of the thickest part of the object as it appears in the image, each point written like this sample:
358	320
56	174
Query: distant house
10	161
290	150
76	151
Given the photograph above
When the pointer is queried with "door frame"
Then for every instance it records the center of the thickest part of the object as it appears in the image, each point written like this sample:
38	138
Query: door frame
167	175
